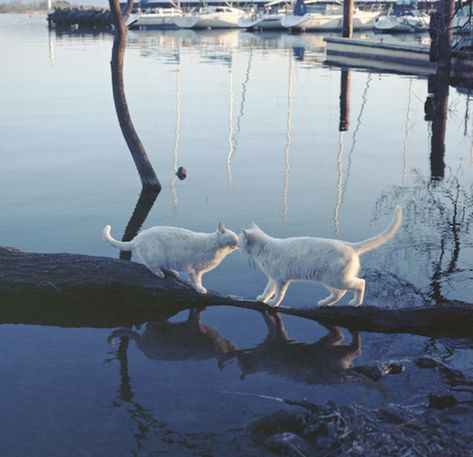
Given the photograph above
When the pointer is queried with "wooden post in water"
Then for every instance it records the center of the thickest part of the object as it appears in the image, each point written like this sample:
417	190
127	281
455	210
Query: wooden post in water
441	32
345	79
148	177
348	8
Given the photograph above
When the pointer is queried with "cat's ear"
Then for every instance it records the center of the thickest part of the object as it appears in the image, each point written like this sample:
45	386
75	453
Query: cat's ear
245	233
221	227
253	225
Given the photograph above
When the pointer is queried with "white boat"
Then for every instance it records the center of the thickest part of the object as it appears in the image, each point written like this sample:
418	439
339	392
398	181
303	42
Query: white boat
211	17
329	19
267	19
159	18
263	21
403	17
403	23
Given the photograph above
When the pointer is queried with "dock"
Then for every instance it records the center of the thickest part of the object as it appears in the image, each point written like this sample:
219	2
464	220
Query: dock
392	58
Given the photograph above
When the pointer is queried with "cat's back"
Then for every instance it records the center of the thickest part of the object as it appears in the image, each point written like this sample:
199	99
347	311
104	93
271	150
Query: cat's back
312	245
165	235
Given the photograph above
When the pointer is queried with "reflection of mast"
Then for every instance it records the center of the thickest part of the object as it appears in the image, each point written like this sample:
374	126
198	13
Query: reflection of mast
230	127
338	204
406	136
343	126
244	88
288	140
51	46
178	128
345	111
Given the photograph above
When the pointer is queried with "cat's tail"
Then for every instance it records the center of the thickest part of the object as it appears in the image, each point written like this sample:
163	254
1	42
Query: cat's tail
383	237
122	245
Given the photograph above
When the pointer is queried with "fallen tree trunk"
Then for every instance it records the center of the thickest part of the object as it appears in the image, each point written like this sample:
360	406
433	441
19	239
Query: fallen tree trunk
72	290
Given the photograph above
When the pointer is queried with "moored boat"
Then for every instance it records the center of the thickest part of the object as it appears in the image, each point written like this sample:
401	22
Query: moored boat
160	18
402	18
329	18
211	17
267	19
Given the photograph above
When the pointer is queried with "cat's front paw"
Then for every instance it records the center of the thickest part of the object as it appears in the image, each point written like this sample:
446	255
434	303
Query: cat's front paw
261	298
201	290
355	302
273	302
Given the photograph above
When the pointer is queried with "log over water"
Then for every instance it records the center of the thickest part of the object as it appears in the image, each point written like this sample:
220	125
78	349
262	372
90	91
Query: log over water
72	290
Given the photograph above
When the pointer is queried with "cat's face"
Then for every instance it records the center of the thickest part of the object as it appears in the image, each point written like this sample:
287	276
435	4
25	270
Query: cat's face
227	237
249	239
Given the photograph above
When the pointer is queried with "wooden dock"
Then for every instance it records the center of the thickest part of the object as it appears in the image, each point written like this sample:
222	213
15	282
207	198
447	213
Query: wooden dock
396	58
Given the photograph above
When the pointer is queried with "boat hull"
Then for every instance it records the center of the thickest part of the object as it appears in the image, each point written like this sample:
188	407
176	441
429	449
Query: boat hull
402	24
265	22
208	21
153	20
316	22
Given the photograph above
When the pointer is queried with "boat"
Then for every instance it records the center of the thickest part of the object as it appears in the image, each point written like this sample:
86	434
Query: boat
211	17
158	18
325	17
402	18
267	19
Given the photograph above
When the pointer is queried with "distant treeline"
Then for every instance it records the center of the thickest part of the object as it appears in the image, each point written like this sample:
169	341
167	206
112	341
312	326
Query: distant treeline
20	7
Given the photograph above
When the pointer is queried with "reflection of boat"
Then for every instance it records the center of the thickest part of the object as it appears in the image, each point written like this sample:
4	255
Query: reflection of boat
160	18
330	17
402	19
214	17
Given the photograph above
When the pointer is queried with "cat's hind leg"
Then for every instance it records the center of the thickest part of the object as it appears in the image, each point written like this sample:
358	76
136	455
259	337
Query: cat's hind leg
335	295
196	280
358	287
268	291
280	291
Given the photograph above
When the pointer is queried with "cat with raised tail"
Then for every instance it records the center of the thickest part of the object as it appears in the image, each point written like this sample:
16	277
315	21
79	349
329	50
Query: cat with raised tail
333	263
170	250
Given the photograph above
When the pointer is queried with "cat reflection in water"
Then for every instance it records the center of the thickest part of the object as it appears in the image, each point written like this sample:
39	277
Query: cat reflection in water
325	361
172	250
186	340
333	263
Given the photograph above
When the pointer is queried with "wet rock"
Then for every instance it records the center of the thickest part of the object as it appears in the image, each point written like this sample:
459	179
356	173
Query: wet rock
277	423
381	369
426	362
289	444
441	401
395	367
451	376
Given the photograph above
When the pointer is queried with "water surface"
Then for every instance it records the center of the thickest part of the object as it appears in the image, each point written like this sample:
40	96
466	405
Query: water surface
255	120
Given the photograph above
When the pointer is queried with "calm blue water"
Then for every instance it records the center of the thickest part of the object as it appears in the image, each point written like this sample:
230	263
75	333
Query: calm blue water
254	119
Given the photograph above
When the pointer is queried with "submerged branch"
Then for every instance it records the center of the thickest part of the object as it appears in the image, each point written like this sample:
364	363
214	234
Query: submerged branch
75	290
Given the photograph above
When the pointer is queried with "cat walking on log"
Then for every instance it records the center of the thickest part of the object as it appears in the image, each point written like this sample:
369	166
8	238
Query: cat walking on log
170	250
333	263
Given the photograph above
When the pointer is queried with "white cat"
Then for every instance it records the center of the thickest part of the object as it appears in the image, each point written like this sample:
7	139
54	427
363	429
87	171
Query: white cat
173	250
333	263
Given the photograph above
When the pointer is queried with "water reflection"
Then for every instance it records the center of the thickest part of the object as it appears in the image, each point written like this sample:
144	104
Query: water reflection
187	340
325	361
437	219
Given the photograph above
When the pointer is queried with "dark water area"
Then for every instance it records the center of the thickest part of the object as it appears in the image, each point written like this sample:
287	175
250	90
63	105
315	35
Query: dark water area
254	118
